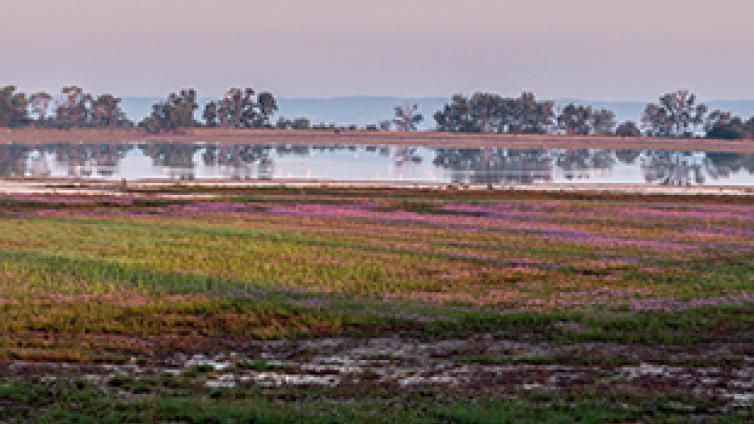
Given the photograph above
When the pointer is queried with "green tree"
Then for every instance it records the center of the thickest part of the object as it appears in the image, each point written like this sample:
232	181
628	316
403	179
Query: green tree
628	129
603	122
455	116
676	114
531	116
106	112
491	113
75	109
210	114
717	118
267	106
506	113
724	126
656	121
236	108
184	105
13	107
239	109
750	127
484	110
576	119
283	123
300	124
174	113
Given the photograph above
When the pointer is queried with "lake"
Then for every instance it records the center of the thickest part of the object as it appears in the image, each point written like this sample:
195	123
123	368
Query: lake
137	161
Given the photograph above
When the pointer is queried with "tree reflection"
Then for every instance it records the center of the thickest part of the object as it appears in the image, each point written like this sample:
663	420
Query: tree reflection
13	160
627	157
584	163
466	166
239	161
676	168
85	160
732	162
495	166
406	155
176	160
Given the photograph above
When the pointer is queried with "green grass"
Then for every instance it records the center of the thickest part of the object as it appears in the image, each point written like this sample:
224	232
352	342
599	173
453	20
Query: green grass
81	403
100	281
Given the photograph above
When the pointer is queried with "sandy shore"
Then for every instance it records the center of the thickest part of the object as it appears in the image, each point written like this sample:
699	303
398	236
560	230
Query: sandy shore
114	188
33	136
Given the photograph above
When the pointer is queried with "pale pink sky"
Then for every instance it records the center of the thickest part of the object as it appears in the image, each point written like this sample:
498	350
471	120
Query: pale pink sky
597	49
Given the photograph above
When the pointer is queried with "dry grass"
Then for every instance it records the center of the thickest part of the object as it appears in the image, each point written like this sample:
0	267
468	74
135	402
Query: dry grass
239	136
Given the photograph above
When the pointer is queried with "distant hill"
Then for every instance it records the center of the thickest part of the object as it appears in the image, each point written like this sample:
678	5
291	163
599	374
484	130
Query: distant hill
364	110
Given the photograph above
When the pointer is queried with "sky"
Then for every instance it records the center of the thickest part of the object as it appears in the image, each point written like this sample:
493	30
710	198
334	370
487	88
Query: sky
587	49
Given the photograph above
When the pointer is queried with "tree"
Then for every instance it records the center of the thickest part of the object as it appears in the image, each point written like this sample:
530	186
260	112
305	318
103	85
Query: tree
13	107
484	111
730	129
506	111
455	116
656	121
74	110
628	129
576	120
491	113
407	118
40	105
283	123
683	111
267	106
236	108
210	114
183	107
239	109
531	116
677	114
106	112
750	127
603	122
717	118
300	124
174	113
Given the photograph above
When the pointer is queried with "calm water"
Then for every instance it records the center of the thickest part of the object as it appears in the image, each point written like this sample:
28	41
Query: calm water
377	163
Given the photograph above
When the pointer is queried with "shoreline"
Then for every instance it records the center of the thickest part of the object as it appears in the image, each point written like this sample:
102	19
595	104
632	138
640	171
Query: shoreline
35	136
64	186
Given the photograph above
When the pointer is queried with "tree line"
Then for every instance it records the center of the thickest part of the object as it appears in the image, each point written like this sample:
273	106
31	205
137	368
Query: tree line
675	114
74	108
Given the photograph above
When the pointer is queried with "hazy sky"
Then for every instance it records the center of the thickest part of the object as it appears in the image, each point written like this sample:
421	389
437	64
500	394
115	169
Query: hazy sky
595	49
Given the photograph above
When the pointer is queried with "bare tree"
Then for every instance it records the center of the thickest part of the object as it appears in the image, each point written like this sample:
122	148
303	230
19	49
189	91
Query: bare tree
407	118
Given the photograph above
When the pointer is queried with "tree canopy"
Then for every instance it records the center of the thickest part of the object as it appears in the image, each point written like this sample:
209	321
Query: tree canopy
489	112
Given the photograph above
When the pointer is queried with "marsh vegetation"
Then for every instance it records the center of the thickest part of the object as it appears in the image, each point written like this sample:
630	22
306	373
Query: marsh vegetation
376	305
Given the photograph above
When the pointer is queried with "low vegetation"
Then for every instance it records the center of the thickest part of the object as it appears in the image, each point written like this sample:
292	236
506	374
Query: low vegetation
376	306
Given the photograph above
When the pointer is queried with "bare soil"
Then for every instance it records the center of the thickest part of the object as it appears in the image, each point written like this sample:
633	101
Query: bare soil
484	364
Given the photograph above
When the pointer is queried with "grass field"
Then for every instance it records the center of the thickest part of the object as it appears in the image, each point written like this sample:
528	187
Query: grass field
376	306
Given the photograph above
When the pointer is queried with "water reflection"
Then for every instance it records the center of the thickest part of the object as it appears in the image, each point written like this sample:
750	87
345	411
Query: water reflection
495	166
580	164
467	166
